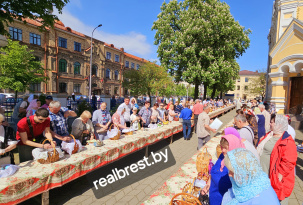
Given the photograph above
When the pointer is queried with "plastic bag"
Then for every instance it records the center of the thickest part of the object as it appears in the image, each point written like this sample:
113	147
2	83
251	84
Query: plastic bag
8	170
152	126
127	130
39	153
69	146
112	133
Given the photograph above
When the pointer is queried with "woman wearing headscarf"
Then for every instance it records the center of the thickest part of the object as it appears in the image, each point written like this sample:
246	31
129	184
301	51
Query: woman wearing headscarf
118	118
247	144
278	156
250	185
219	182
33	106
261	127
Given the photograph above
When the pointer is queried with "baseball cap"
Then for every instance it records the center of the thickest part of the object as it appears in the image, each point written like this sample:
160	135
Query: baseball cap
49	97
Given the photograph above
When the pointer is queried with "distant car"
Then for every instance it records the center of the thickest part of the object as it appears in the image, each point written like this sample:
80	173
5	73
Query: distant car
10	102
84	97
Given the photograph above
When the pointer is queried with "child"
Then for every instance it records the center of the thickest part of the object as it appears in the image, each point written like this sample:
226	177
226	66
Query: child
135	119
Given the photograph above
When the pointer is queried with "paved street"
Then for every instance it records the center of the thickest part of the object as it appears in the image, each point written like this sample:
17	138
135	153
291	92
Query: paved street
79	191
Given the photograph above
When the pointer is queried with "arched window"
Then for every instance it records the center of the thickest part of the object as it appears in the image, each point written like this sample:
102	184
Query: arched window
62	65
77	66
107	74
116	75
94	70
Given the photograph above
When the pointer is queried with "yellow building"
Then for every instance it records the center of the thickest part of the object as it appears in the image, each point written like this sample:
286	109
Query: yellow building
242	85
285	61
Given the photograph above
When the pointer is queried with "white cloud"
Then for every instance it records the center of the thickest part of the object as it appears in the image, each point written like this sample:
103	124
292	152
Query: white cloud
132	42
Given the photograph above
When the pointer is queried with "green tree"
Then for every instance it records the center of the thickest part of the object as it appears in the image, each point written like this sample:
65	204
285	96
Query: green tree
257	86
149	79
18	68
38	9
198	39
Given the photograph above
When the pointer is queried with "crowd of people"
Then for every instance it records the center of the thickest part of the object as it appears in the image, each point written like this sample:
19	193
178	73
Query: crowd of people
258	159
258	152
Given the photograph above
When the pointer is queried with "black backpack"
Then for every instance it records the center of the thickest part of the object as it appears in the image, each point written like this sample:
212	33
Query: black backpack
10	134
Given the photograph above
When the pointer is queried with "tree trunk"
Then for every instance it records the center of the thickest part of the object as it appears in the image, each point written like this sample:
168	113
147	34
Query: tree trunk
221	94
214	91
196	91
205	91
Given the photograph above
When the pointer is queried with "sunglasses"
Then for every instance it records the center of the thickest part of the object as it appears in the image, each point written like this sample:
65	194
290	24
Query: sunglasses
41	119
3	121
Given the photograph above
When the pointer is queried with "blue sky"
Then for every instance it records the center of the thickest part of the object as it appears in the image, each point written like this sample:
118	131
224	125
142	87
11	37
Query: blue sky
128	24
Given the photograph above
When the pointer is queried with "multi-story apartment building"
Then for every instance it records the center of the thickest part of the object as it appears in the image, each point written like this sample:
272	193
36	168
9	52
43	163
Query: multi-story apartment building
242	85
65	55
285	59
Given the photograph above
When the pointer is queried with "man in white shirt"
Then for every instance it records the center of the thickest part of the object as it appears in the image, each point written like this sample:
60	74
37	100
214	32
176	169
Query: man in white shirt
267	117
128	108
245	131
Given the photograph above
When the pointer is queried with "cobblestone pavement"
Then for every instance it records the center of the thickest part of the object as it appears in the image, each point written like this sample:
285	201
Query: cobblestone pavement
79	192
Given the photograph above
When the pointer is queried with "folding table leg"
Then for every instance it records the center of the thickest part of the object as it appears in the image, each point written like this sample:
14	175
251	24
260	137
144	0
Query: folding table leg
45	198
146	151
171	139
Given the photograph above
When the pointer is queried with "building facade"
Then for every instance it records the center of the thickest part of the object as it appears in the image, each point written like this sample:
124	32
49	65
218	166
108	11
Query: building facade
242	85
285	60
65	56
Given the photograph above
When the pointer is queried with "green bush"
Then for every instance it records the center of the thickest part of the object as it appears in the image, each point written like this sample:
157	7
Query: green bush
42	99
82	106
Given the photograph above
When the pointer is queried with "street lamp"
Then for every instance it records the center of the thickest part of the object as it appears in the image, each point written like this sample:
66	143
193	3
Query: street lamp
91	60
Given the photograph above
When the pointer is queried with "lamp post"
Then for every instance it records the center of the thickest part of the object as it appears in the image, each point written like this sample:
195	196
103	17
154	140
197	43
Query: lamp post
91	60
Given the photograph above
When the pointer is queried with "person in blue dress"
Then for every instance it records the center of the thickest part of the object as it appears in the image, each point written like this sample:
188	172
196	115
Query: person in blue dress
261	127
250	184
219	181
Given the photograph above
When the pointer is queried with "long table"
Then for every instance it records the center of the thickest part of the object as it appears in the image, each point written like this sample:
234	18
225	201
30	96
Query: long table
34	178
184	175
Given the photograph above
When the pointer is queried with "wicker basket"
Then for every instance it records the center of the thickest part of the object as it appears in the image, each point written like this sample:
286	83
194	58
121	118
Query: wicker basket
51	156
129	133
202	162
118	135
76	146
190	191
219	151
175	201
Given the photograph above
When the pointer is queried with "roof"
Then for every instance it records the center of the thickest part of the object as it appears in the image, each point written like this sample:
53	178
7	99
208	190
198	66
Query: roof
135	57
112	46
248	72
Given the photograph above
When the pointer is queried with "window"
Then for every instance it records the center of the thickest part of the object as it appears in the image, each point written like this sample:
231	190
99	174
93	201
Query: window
94	70
238	87
35	87
116	75
62	65
77	88
117	58
107	75
138	66
108	56
246	88
107	91
77	66
15	33
35	39
62	87
132	65
246	80
126	64
116	90
62	42
77	46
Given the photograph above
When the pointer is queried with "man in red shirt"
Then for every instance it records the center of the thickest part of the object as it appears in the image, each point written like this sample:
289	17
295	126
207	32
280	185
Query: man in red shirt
32	138
197	109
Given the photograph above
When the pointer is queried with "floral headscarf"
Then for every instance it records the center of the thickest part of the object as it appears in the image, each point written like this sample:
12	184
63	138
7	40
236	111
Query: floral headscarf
232	131
249	179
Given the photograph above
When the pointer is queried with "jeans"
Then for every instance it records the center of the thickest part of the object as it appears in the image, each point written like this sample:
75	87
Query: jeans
186	123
